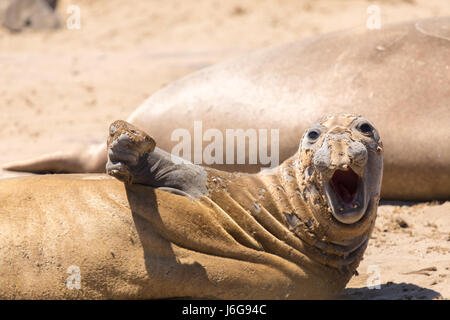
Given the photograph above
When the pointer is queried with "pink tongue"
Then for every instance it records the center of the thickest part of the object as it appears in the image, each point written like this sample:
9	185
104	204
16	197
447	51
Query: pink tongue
346	196
345	184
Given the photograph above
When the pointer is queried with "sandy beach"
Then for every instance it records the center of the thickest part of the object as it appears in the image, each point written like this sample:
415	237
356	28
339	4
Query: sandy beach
60	89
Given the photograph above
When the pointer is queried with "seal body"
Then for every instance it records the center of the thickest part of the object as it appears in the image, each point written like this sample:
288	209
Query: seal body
398	77
271	235
136	242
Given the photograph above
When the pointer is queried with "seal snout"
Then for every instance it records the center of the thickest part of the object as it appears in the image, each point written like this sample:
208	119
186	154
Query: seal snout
340	152
341	161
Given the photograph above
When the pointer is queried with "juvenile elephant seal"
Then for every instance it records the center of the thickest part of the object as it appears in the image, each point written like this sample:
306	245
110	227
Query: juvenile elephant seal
399	77
298	231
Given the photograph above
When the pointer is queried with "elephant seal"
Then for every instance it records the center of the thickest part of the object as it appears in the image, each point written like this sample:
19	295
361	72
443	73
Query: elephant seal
36	14
399	77
298	231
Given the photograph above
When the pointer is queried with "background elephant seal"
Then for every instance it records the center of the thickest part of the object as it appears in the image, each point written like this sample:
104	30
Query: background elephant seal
35	14
398	77
299	231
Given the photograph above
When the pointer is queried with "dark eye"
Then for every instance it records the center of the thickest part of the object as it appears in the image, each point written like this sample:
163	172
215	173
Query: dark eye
365	128
313	134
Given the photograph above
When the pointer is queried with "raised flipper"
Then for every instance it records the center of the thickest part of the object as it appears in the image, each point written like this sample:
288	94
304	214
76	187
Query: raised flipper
89	159
134	158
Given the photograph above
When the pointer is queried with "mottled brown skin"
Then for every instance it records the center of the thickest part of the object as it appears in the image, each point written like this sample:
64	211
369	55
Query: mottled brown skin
288	189
397	76
136	242
143	144
237	236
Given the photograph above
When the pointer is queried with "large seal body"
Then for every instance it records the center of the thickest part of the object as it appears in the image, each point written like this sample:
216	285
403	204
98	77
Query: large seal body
282	234
136	242
398	77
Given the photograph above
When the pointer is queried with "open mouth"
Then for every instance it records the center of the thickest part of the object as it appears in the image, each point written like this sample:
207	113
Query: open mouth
345	185
346	196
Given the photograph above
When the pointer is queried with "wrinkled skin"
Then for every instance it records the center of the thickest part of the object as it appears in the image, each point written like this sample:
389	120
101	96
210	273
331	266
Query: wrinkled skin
344	143
192	231
398	77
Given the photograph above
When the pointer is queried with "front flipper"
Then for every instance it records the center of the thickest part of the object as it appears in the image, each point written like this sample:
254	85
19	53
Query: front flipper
127	150
134	159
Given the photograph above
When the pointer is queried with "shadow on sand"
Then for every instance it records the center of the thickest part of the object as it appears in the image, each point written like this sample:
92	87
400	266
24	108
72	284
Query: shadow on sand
390	291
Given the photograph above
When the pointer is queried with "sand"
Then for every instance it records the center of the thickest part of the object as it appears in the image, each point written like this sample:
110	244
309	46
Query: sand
55	85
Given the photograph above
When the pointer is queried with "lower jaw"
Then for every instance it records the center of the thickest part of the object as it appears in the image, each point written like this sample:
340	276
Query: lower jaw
346	213
348	218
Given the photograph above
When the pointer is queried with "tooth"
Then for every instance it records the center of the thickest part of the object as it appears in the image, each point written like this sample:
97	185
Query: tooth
341	209
355	206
